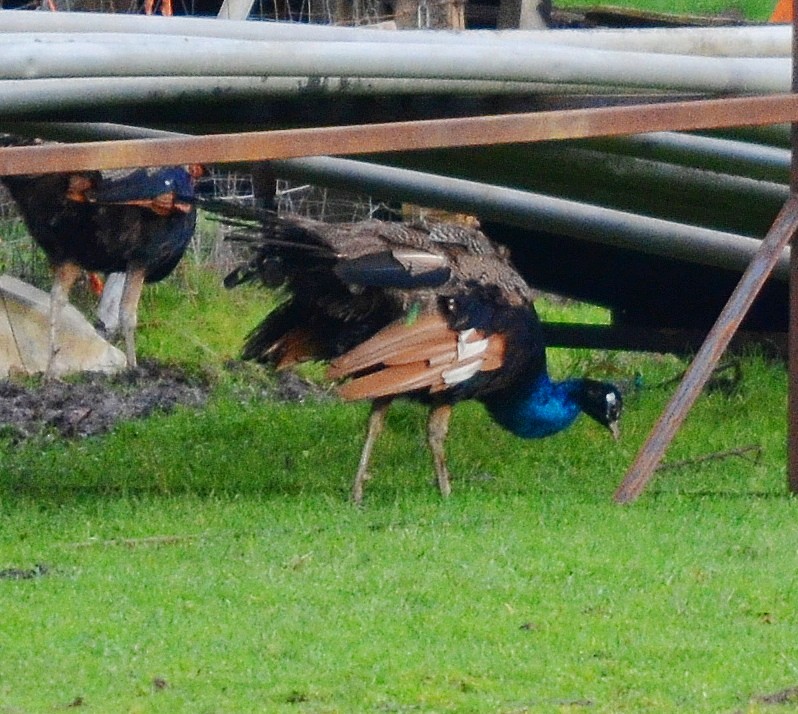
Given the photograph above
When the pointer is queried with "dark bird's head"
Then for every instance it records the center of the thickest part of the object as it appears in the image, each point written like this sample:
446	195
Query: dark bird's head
601	401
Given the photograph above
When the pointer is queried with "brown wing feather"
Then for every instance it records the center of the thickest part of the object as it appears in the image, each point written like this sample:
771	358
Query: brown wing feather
494	355
425	355
391	381
435	352
294	347
383	346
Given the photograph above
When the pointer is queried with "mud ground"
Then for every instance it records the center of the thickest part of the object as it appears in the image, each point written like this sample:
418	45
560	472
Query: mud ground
94	403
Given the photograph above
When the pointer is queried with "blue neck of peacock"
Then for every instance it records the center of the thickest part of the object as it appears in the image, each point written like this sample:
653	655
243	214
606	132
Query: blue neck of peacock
538	408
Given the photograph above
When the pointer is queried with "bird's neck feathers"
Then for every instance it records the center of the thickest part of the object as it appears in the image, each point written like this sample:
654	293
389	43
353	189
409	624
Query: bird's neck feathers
538	408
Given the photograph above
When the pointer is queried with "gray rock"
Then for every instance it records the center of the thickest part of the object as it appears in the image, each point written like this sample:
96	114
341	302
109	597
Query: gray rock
24	335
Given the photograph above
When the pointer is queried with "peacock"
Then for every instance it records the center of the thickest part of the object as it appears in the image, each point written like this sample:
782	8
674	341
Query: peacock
434	312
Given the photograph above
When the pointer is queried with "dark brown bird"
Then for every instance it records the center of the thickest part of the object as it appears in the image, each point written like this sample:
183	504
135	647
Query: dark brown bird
432	312
137	221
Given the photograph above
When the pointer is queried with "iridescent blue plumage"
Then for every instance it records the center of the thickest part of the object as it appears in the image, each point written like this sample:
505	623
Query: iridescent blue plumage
138	184
539	408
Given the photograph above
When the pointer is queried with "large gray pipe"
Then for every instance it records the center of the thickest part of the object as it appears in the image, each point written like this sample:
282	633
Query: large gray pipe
535	211
64	57
655	188
756	161
93	93
752	41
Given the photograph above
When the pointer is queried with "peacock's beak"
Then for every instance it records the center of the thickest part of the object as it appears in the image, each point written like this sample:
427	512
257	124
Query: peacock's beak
615	430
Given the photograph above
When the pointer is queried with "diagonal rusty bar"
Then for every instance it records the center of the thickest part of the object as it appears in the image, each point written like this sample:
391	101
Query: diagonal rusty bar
754	277
372	138
782	233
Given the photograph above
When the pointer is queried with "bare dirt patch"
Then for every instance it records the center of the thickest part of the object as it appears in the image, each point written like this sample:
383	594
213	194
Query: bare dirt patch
94	403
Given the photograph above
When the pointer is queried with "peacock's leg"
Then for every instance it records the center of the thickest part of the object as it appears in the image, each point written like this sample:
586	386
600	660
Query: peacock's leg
437	429
64	278
379	407
128	312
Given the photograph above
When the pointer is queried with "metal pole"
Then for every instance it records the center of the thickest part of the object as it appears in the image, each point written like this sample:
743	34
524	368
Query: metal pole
397	136
92	95
792	339
53	56
642	470
742	158
592	223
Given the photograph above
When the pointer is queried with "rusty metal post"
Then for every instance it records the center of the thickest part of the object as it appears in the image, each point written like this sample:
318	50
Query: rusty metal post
706	359
792	340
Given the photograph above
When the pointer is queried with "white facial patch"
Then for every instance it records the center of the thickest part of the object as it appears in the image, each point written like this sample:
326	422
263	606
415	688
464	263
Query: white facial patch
613	405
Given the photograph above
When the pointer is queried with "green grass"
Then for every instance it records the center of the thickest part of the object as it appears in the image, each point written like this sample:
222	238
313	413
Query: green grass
487	603
189	318
209	560
757	10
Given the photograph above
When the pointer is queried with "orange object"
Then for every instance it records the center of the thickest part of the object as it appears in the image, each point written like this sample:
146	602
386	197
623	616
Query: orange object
782	12
96	284
166	7
78	185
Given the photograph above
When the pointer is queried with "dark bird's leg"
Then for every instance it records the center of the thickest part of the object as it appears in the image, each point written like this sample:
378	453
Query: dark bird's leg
437	429
379	408
128	312
64	278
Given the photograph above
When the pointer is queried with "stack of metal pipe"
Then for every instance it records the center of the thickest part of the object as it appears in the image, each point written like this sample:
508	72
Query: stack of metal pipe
701	199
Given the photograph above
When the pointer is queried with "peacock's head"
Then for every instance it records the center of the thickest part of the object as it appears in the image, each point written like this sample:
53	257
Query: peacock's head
602	401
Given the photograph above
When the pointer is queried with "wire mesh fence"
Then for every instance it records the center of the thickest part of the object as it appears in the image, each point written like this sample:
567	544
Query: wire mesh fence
329	205
19	255
356	12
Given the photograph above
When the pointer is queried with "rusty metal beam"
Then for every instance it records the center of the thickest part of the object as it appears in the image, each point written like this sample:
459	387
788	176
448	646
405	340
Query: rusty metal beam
649	456
792	336
436	133
593	223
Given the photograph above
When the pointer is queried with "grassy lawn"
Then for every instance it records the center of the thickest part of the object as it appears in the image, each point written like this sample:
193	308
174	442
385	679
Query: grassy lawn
754	10
209	560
